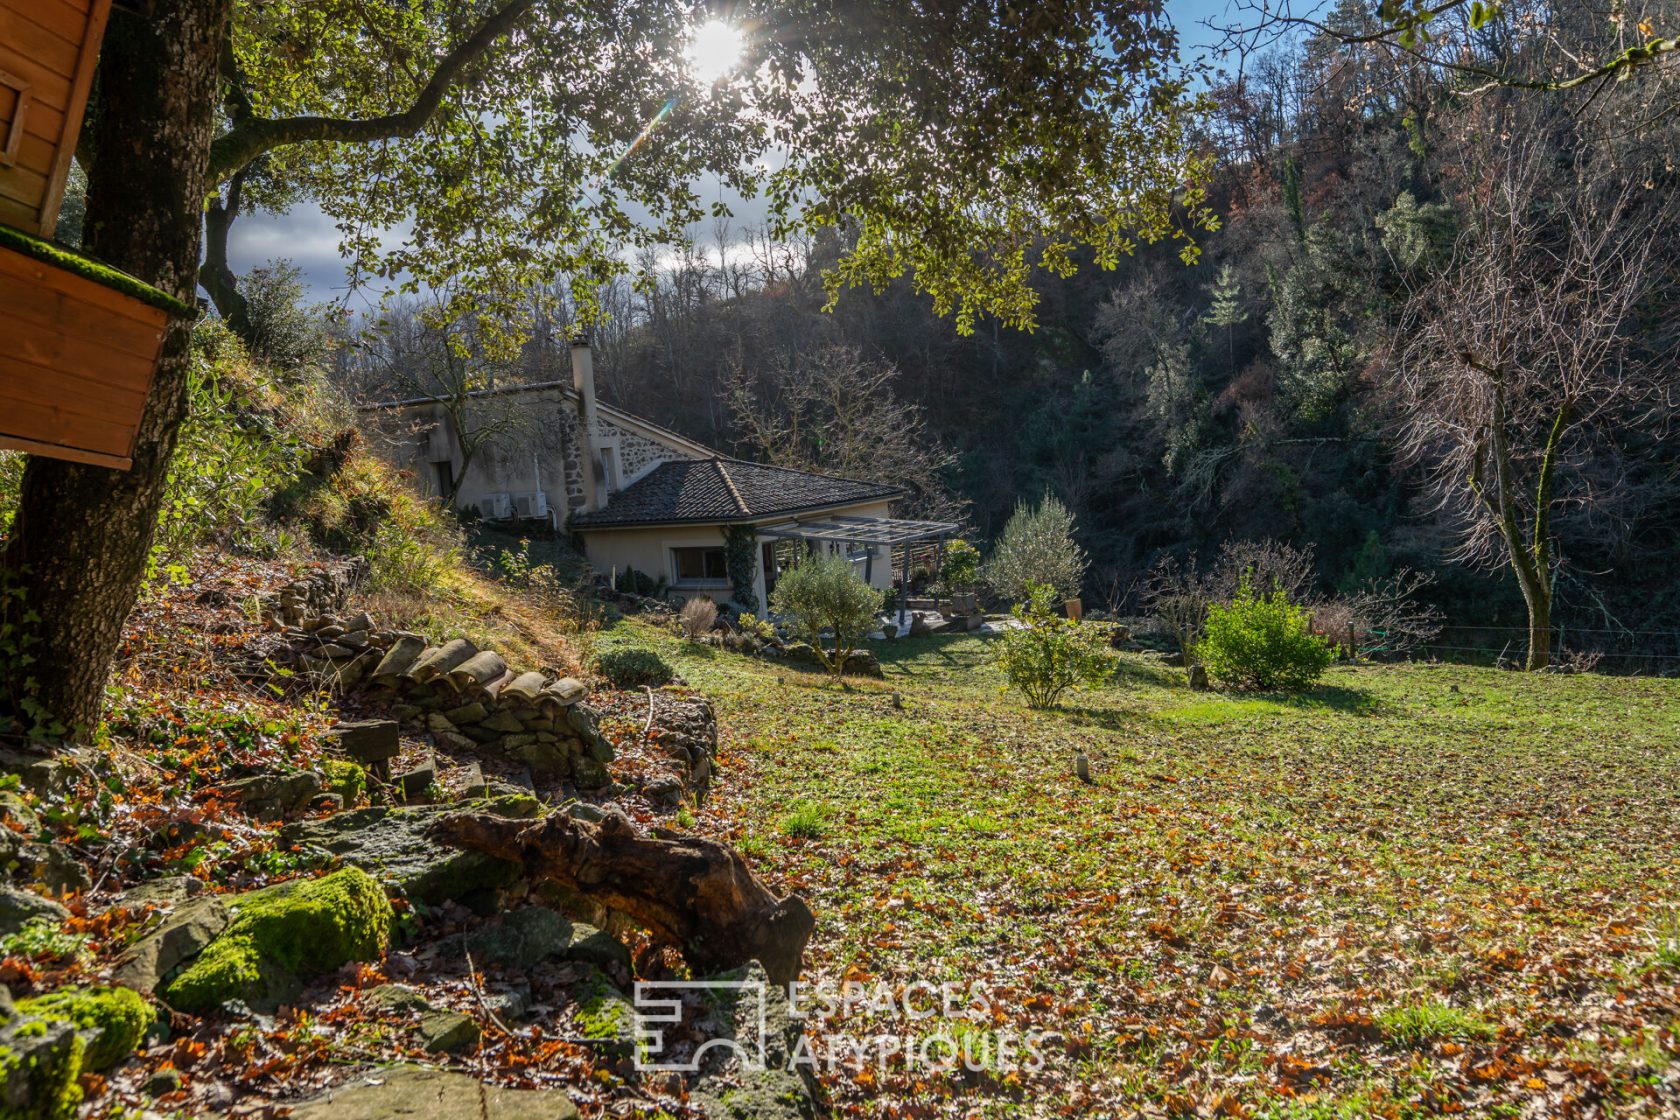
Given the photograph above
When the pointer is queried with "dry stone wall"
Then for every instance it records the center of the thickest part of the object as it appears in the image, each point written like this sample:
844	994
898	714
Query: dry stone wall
468	699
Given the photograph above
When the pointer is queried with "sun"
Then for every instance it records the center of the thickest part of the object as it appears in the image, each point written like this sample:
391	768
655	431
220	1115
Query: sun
714	51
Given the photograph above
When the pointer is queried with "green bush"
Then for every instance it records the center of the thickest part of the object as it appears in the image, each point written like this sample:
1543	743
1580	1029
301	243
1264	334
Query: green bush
1262	642
960	568
633	668
824	594
1052	654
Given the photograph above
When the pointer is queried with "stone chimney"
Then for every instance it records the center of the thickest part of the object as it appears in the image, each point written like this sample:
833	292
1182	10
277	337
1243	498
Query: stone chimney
589	455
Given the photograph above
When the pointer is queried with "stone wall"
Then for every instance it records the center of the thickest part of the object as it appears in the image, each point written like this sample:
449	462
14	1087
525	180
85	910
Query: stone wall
466	698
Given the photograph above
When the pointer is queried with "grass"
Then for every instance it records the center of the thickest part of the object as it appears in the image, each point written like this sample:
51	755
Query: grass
1261	906
1424	1023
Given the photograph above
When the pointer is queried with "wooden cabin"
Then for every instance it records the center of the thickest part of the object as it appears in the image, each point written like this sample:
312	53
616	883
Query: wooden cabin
48	49
81	339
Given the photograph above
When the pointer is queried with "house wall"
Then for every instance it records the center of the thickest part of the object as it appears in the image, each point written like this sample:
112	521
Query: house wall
649	550
542	449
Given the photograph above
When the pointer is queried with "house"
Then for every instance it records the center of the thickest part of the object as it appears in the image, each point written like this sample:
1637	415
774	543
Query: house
636	495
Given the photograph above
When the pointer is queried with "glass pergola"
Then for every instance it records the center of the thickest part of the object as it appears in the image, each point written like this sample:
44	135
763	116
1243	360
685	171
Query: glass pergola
906	542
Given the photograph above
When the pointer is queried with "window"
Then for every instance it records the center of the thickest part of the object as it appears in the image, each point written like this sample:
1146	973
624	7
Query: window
609	468
698	565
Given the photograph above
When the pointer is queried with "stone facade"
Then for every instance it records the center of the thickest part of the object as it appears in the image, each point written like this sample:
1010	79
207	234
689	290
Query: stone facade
552	439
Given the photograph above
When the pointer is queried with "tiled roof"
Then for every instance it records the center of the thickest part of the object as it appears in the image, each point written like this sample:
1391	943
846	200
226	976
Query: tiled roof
713	490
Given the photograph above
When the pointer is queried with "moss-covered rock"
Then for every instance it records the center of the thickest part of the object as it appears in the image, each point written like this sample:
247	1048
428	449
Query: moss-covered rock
112	1021
345	778
284	934
40	1063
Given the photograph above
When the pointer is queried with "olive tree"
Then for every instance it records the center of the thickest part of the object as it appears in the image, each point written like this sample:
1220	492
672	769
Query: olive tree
1036	548
824	595
485	147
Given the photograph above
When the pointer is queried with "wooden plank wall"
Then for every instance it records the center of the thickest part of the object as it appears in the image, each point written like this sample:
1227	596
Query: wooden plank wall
48	49
77	363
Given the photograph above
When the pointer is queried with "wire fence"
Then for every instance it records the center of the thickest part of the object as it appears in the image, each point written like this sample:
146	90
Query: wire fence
1608	649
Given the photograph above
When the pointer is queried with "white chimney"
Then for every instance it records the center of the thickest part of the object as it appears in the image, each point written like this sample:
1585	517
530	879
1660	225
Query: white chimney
583	381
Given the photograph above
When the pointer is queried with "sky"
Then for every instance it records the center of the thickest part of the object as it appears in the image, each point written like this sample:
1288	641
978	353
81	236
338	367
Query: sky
308	238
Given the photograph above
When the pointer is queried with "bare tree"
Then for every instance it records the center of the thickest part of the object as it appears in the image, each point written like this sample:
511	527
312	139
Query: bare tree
836	411
404	355
1532	349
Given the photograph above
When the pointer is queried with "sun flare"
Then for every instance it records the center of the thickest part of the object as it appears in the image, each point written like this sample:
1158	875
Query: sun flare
714	51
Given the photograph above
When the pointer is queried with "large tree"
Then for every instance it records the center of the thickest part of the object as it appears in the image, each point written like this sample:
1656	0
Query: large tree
1544	342
480	147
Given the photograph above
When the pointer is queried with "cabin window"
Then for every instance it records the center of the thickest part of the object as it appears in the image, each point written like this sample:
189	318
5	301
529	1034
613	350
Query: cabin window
700	565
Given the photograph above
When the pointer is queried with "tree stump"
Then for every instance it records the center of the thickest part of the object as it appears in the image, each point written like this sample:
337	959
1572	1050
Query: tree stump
687	891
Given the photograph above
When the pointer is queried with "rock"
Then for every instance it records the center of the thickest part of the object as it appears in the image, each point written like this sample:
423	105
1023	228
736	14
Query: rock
544	760
590	773
1198	678
505	722
665	789
452	742
471	783
184	934
416	784
49	777
363	621
510	1005
863	663
406	711
61	873
393	845
414	1093
586	722
39	1067
163	1081
18	907
604	1018
437	721
444	1031
395	998
345	779
466	713
368	740
275	795
111	1021
525	687
589	945
477	672
521	938
783	1089
284	934
561	694
165	892
441	661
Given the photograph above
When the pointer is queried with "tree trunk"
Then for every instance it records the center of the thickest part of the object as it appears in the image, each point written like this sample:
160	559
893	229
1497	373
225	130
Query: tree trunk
79	544
1537	593
215	274
689	892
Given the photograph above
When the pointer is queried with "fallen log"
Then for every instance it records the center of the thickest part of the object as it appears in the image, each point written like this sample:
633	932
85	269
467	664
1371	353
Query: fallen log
693	893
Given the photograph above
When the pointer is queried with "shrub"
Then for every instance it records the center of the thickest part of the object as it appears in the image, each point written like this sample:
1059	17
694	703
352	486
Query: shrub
633	668
823	593
697	617
633	582
1036	547
960	569
1052	654
1262	642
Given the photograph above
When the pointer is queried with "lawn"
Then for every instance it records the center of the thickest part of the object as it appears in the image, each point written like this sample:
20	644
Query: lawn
1418	889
